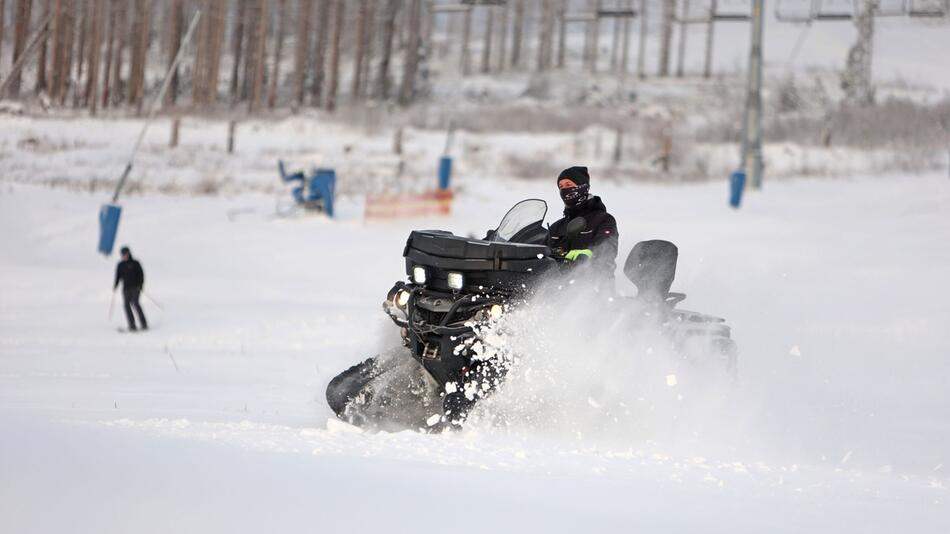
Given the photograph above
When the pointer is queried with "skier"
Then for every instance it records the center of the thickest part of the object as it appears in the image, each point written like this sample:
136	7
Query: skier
597	242
129	271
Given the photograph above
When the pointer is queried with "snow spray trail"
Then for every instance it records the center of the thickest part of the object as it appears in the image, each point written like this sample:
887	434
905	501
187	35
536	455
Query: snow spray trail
599	369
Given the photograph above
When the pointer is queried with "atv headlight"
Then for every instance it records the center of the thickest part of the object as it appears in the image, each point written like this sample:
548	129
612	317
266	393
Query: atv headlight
456	280
401	299
419	274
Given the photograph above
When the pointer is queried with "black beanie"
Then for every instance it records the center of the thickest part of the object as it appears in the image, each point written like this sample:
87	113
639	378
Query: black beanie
578	175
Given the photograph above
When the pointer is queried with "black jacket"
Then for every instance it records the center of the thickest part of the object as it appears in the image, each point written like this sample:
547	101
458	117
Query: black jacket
600	235
130	273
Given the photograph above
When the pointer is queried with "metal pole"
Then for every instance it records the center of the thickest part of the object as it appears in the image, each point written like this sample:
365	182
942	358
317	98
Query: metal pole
752	121
707	66
153	106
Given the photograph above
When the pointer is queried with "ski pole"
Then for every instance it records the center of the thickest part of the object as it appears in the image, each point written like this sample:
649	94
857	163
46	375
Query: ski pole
153	106
155	302
111	305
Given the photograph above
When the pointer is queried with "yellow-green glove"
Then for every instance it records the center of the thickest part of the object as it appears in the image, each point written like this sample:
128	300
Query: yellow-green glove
572	255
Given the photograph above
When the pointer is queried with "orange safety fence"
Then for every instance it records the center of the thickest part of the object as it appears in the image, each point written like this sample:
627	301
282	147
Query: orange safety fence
408	205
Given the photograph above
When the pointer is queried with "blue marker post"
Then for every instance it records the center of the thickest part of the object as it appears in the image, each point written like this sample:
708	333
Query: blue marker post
736	186
445	172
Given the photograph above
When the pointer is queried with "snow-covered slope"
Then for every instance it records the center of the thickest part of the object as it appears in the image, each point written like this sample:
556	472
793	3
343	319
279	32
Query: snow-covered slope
214	421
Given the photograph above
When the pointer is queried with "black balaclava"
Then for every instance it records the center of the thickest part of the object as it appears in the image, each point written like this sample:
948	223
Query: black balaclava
574	196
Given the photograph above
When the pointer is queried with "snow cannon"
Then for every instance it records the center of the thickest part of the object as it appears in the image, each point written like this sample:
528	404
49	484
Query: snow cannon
314	192
108	227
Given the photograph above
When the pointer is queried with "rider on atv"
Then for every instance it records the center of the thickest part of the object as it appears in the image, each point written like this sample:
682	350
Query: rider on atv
597	242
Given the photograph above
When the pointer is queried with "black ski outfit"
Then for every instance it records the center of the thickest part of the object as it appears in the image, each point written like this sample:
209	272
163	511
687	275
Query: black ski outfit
130	273
600	233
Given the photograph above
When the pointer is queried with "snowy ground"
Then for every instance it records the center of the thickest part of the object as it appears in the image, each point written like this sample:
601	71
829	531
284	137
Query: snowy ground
215	421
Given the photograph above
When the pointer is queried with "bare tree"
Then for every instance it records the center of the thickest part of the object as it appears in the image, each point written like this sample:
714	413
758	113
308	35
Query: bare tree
95	53
278	52
595	38
258	56
339	8
517	33
121	43
361	30
465	59
65	20
304	14
389	30
3	21
324	11
502	54
218	15
370	40
411	63
486	47
545	36
107	61
561	34
237	47
42	81
83	22
140	42
175	22
21	31
666	36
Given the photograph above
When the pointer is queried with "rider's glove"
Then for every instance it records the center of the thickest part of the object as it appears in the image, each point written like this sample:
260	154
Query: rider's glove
572	255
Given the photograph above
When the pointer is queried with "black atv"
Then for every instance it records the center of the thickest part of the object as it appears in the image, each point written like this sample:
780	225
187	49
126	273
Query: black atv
455	284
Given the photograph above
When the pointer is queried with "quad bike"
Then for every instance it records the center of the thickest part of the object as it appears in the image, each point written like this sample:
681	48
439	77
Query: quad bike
457	283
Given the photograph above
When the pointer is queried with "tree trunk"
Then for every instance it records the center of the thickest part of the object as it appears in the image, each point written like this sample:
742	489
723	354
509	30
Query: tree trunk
324	12
361	30
561	34
107	62
486	47
666	36
91	97
218	15
260	56
545	36
304	14
174	23
121	36
642	48
502	45
3	21
615	44
411	64
237	47
625	51
465	54
64	49
517	31
140	42
252	19
21	32
42	80
389	30
81	51
681	55
370	41
278	52
339	8
595	39
707	63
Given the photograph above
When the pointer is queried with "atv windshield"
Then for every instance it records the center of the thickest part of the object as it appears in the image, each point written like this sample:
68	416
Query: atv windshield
522	215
